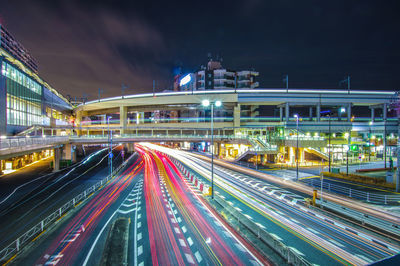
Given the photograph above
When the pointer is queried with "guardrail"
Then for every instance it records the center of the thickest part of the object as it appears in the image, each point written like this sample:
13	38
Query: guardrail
354	193
14	142
361	217
28	236
284	251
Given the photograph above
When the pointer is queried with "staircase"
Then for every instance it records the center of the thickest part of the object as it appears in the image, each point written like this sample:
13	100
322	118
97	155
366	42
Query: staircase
318	153
259	146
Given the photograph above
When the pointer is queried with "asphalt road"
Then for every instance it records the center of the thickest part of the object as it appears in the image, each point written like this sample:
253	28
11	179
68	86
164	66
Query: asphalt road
169	224
320	239
35	197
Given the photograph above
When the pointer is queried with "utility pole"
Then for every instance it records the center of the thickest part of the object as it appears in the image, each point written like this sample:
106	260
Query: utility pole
100	92
347	82
123	87
154	88
286	80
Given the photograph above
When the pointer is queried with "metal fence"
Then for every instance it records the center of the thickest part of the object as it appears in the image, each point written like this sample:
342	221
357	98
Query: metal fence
383	225
284	251
28	236
354	193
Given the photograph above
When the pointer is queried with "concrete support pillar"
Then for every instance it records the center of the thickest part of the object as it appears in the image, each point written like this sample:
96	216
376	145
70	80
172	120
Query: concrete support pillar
287	112
301	155
69	153
372	114
236	118
56	159
384	111
78	121
280	114
123	118
310	112
349	112
318	112
131	147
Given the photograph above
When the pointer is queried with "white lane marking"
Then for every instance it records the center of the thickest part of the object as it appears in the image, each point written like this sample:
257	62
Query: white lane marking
260	225
189	258
129	205
336	243
139	236
312	230
182	242
240	247
139	224
177	230
184	229
126	212
198	257
173	221
276	236
297	251
140	250
248	216
139	216
363	257
190	241
227	234
179	219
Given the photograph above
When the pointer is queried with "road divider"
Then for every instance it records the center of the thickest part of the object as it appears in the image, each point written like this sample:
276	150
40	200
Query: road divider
191	177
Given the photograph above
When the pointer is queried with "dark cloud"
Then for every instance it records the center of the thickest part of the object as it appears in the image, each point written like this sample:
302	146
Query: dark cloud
85	45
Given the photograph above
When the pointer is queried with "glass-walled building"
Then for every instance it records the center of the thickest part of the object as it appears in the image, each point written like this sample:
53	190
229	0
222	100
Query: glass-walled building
25	99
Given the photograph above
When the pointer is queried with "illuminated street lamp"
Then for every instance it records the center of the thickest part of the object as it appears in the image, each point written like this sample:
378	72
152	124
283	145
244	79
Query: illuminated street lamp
207	103
297	146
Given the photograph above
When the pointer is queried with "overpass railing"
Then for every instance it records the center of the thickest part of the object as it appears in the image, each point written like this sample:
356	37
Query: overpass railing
16	142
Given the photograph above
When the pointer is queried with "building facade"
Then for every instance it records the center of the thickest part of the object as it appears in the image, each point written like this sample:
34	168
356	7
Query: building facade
216	77
26	99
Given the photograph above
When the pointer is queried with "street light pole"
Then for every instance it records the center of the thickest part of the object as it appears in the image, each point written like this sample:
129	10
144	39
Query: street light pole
369	141
329	142
347	159
206	103
110	146
297	146
212	151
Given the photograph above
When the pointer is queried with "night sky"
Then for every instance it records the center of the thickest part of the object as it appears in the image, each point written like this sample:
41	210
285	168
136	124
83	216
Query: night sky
82	46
